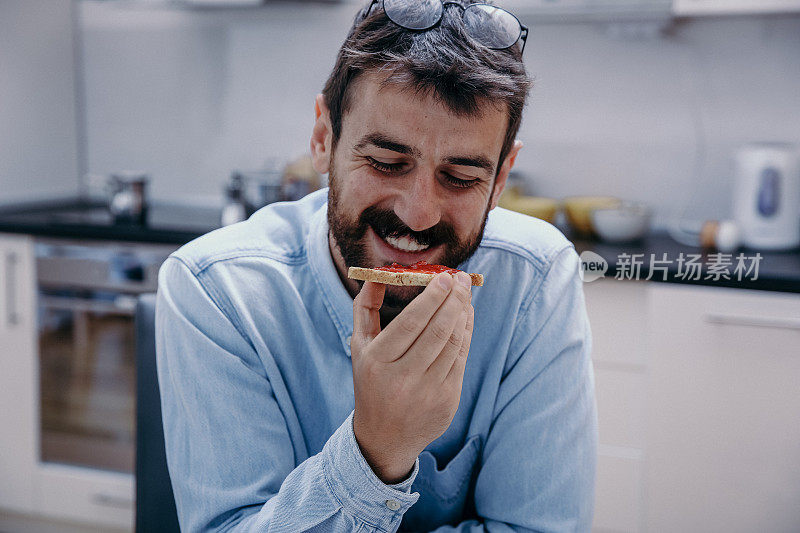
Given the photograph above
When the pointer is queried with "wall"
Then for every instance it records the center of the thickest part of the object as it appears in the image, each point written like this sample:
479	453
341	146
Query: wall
191	95
39	148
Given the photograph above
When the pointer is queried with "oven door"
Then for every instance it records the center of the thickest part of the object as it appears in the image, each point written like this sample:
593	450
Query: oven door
87	378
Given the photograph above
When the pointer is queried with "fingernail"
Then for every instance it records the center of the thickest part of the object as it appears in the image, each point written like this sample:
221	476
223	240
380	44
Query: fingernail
446	281
464	279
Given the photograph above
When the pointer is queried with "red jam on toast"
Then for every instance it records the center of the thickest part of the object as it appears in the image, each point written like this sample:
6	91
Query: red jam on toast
420	267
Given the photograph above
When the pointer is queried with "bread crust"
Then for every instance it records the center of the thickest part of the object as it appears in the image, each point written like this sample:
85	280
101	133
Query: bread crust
418	279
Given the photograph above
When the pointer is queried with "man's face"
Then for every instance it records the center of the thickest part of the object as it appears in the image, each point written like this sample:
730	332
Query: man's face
410	181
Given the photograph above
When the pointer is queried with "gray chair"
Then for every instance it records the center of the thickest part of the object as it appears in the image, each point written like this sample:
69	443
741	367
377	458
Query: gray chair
155	503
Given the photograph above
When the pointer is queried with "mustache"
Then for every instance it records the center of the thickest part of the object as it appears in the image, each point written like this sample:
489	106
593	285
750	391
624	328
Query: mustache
387	224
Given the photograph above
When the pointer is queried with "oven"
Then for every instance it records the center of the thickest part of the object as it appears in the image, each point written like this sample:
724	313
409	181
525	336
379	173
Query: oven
86	300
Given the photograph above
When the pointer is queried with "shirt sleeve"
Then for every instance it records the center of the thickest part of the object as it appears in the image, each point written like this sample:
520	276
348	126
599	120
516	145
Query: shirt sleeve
229	453
538	466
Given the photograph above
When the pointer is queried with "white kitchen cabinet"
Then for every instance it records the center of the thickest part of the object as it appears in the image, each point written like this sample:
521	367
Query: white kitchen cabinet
618	317
18	373
538	11
617	314
732	7
618	501
723	424
29	485
698	395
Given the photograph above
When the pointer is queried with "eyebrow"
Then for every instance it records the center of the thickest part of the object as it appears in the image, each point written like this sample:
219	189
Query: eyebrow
383	141
478	161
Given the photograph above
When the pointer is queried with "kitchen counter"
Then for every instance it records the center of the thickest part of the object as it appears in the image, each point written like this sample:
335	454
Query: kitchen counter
83	218
659	257
171	223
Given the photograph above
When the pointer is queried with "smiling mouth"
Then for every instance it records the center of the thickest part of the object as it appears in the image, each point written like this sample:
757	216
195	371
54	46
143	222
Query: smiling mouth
405	244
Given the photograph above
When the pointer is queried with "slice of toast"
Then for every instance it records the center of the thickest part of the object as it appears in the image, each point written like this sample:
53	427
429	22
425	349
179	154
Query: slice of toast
400	278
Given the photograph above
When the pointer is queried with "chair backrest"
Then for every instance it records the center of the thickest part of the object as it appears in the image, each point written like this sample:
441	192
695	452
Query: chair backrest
155	503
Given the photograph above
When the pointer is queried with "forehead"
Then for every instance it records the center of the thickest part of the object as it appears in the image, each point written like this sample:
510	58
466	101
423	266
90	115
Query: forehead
420	119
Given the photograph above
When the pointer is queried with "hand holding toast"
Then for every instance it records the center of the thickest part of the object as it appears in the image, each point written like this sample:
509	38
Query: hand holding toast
407	378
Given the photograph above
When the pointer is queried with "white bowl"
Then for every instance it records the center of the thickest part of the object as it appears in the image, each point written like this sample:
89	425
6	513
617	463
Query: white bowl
627	222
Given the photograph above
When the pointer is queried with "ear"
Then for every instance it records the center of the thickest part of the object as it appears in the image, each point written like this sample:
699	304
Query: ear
502	176
321	136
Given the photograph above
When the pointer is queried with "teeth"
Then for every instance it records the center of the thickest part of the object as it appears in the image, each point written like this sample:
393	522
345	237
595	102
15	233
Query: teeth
405	243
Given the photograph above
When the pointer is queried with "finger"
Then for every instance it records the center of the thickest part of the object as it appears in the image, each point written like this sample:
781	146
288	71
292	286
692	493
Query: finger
437	332
366	314
440	366
404	329
464	352
460	363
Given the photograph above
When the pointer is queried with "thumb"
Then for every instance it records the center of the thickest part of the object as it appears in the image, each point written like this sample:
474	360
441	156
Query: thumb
366	315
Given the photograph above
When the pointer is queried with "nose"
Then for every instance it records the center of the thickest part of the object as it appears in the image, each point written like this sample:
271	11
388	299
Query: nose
418	205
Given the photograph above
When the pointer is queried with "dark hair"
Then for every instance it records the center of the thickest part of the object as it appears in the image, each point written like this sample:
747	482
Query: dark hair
443	60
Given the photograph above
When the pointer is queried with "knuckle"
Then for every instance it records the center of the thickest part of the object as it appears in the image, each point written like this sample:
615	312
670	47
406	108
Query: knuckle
463	295
455	340
403	385
439	331
409	326
406	377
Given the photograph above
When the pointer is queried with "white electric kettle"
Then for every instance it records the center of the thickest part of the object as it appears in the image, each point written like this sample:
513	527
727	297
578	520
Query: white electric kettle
766	196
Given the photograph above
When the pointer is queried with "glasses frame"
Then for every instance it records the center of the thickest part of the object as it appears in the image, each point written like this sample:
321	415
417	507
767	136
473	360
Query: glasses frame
523	30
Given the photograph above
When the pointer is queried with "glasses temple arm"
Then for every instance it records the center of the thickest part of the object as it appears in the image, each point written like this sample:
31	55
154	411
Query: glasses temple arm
368	9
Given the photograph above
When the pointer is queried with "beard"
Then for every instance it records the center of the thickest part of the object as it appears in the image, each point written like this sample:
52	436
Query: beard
351	239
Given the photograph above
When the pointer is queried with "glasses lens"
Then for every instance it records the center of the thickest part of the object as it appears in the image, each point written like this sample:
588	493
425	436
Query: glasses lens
492	26
413	15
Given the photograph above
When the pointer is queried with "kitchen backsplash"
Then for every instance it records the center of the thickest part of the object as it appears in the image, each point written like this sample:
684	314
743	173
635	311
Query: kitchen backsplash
191	95
39	153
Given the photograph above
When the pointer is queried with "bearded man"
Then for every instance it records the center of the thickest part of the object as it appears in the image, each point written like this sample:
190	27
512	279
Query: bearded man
297	399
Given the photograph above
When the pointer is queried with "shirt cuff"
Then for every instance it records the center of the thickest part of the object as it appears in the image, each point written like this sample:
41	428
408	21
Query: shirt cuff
356	486
404	485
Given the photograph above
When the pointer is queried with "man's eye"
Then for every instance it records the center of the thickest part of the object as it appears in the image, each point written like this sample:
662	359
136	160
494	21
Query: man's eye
459	183
384	167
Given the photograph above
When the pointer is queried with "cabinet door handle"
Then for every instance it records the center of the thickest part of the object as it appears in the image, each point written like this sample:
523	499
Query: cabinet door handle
755	321
11	289
108	500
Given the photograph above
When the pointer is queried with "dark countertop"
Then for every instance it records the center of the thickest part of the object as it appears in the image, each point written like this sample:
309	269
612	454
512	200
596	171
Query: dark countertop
83	218
774	271
172	223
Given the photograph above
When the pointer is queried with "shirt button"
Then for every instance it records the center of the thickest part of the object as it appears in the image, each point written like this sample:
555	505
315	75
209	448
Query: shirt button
393	504
349	339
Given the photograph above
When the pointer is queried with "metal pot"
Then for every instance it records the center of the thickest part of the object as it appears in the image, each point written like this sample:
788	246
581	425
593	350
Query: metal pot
128	197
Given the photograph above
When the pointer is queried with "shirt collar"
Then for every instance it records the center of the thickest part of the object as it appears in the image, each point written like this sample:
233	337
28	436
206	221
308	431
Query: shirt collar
337	299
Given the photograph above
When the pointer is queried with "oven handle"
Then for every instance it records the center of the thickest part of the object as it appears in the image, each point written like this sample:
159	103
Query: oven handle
12	313
755	321
122	305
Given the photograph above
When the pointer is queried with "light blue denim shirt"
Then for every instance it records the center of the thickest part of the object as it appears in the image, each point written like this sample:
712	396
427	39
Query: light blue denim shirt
253	332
